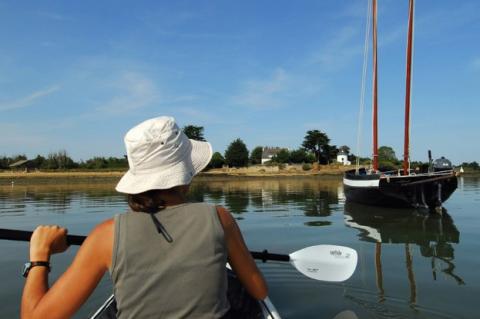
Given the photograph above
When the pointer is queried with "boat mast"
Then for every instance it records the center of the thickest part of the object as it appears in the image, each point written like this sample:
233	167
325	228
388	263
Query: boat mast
406	145
375	110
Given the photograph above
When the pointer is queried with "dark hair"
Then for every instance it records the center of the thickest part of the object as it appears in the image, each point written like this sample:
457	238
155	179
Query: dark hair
148	202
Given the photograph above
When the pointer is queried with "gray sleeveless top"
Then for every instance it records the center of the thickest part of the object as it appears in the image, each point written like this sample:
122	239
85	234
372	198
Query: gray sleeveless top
182	279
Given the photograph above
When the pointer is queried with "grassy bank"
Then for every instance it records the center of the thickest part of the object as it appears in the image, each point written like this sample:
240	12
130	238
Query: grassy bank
253	171
63	174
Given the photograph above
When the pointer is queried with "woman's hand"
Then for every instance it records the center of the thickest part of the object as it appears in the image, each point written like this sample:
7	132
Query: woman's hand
47	240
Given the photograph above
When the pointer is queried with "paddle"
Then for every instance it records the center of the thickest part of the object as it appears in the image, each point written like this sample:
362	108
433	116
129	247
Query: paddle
320	262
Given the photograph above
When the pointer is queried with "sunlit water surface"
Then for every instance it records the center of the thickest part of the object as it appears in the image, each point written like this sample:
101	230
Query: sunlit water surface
411	264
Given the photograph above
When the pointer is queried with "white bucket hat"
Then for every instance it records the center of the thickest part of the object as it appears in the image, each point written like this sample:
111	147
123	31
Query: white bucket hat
160	156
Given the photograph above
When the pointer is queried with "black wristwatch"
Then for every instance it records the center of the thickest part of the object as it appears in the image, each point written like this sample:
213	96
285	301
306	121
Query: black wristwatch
31	264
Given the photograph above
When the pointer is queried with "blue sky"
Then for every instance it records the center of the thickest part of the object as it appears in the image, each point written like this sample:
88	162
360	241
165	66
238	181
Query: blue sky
78	75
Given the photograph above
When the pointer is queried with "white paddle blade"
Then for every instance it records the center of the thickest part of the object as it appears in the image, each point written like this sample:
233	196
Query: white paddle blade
325	262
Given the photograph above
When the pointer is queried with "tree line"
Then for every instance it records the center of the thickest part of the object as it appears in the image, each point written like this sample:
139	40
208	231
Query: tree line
315	148
62	161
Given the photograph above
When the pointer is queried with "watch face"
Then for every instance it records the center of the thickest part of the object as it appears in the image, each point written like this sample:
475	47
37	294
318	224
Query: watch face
26	269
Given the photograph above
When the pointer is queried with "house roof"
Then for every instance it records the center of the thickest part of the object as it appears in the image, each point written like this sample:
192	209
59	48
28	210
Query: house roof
19	163
270	151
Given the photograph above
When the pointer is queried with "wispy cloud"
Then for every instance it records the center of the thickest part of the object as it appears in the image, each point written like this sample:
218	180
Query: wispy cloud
197	115
179	25
27	100
476	64
25	136
339	51
356	9
266	93
135	91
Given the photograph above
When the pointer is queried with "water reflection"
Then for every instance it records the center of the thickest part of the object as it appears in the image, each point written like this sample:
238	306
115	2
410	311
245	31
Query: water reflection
433	233
55	198
312	196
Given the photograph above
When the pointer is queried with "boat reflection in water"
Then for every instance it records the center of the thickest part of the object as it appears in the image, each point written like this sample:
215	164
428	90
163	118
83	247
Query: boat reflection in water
433	233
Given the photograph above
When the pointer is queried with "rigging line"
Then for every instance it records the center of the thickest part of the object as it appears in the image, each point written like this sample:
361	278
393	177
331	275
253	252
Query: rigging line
362	90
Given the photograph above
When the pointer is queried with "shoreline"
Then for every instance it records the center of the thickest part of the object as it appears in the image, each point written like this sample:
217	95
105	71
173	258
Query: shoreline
12	176
214	174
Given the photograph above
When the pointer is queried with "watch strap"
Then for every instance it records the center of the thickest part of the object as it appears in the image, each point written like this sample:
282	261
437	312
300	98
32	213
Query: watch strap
32	264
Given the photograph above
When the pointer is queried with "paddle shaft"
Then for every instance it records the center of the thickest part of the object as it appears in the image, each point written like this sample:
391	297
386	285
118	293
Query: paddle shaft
23	235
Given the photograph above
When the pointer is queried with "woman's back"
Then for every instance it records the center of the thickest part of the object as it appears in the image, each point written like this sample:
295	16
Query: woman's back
182	279
153	276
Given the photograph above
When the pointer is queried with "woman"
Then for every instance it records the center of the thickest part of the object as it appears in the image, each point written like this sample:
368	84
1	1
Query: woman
166	257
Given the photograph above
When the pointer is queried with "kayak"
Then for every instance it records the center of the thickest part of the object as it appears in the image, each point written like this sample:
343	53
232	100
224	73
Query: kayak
242	305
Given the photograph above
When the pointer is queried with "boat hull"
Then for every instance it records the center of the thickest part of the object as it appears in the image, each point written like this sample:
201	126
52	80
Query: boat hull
428	190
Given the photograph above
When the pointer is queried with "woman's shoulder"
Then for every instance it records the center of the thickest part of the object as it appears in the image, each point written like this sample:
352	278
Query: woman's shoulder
226	219
104	228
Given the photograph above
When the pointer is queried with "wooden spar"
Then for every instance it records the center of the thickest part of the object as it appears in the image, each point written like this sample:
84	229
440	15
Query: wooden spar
411	275
406	145
375	87
378	271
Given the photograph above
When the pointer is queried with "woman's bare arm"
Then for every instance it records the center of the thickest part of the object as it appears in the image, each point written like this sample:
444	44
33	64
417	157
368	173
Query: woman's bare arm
240	258
75	285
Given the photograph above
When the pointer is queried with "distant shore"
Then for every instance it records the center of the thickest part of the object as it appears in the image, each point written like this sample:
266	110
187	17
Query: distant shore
254	171
235	173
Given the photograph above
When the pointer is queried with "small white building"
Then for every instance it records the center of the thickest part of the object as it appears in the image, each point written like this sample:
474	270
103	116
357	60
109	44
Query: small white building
269	152
342	157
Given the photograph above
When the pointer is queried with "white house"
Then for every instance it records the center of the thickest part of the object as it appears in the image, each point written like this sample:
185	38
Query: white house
342	157
269	152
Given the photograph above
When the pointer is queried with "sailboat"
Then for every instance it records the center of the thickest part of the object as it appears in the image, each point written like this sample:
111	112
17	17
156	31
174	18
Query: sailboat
404	187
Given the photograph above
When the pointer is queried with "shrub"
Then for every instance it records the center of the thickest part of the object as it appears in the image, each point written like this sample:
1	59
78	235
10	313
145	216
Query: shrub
306	167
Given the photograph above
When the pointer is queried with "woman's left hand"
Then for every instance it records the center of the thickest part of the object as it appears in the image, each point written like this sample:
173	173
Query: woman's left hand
47	240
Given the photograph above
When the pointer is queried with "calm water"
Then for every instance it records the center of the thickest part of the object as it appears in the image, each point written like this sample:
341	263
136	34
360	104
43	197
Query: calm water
411	264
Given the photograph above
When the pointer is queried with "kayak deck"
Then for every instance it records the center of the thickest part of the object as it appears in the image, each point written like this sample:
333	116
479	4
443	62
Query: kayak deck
242	305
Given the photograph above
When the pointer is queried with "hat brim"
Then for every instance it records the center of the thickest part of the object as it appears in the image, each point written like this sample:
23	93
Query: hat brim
179	174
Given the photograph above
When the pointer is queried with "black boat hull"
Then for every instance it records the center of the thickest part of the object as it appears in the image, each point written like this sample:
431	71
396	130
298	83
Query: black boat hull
423	190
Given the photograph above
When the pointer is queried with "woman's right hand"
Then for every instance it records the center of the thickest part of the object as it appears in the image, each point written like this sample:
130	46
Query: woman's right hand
47	240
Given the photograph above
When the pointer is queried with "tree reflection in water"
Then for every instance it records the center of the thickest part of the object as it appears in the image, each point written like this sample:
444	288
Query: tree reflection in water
56	197
312	196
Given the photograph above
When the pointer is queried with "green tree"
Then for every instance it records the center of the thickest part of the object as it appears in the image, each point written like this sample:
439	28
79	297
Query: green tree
256	155
310	158
318	143
331	151
20	157
96	162
117	163
473	165
217	160
283	156
386	153
38	161
194	132
5	162
298	156
236	154
387	160
59	160
344	148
